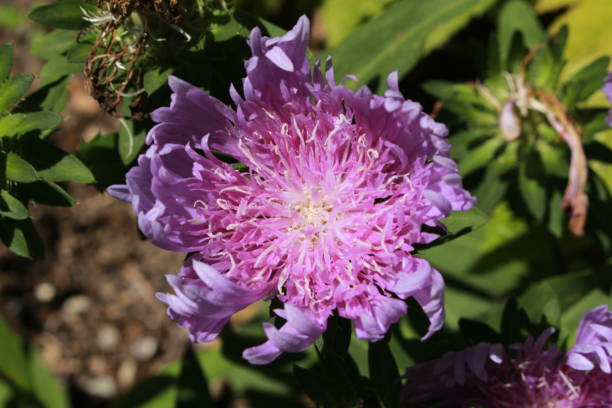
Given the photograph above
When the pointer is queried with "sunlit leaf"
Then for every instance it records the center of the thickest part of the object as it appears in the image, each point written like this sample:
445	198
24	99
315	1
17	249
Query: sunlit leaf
395	39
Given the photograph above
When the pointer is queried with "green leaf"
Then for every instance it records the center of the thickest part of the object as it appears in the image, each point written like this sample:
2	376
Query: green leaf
52	44
541	302
586	82
47	389
51	97
554	158
11	207
57	68
481	155
7	395
131	140
13	361
46	192
12	90
517	16
339	24
54	164
395	39
590	31
6	61
460	221
21	238
102	157
17	169
67	14
531	185
384	373
192	384
154	78
22	123
78	53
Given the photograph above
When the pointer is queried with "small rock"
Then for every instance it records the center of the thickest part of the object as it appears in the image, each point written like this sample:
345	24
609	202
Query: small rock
44	292
144	349
126	374
108	337
102	386
76	304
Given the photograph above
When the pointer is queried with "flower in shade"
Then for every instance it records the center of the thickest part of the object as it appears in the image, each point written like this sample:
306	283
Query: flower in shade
593	345
528	376
331	195
607	88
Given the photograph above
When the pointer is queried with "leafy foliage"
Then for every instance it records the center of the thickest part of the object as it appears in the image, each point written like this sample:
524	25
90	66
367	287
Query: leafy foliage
31	167
24	381
397	37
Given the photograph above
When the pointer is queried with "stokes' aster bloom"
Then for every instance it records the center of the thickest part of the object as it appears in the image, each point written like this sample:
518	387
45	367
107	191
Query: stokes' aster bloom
534	377
336	188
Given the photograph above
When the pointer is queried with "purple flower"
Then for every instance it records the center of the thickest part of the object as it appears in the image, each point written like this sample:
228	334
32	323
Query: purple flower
593	341
531	377
334	189
607	88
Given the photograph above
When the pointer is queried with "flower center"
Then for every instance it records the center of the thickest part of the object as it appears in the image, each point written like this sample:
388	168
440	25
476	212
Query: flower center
312	215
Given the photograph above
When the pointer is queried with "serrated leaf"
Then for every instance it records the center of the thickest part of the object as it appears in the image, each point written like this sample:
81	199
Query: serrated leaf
6	61
395	39
12	90
11	207
517	16
17	169
20	237
384	373
53	164
65	14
